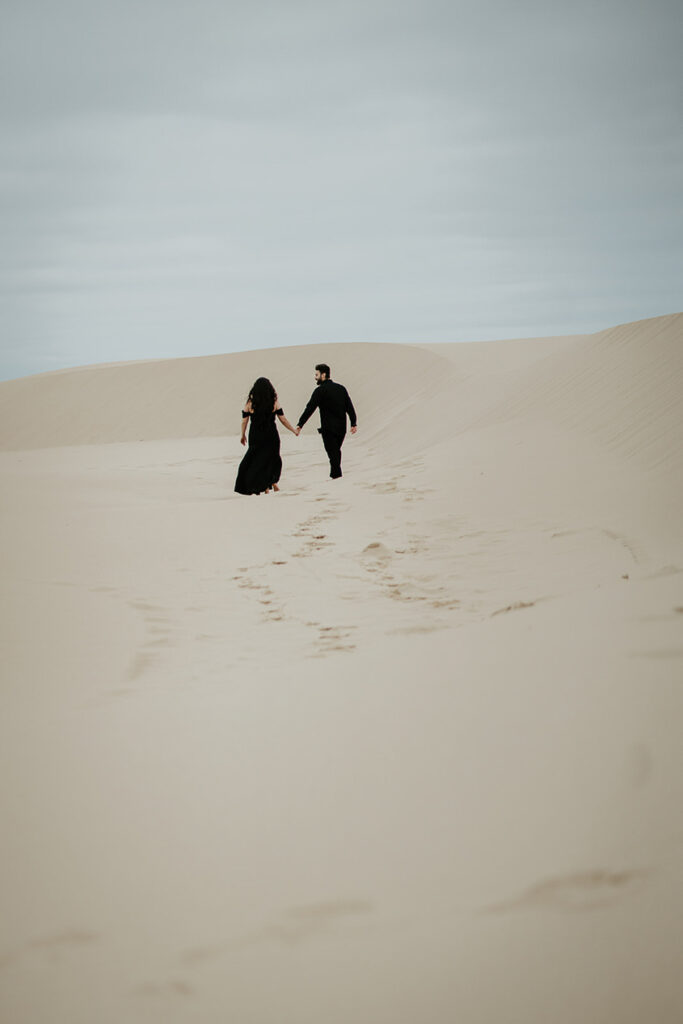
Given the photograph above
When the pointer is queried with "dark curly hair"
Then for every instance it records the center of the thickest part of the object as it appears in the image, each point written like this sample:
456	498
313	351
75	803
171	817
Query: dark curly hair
262	395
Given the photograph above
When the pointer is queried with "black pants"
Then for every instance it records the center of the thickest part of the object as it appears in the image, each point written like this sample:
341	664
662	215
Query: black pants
333	443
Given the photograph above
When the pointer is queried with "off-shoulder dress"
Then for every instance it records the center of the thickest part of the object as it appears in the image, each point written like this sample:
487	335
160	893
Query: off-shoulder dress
262	465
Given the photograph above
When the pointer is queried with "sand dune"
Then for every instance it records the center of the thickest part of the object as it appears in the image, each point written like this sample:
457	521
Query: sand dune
195	397
404	746
621	387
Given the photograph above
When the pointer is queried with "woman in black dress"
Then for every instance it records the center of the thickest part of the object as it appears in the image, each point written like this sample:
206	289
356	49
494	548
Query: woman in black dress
260	468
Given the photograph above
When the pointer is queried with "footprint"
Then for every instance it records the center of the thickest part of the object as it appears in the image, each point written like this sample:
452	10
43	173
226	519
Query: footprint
300	924
176	987
588	890
377	550
139	665
331	638
515	606
666	570
53	946
75	937
159	631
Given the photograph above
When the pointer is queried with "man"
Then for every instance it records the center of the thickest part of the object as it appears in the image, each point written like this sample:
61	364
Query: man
335	405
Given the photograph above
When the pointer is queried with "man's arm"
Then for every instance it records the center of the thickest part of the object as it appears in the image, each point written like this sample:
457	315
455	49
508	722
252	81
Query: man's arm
310	408
350	410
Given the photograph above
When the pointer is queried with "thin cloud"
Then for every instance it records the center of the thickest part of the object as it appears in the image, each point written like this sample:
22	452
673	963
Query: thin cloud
211	177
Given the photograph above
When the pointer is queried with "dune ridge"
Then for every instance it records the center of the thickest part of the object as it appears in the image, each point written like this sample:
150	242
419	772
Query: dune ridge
621	386
197	396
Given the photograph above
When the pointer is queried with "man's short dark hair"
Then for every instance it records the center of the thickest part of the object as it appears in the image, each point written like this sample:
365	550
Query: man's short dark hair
323	368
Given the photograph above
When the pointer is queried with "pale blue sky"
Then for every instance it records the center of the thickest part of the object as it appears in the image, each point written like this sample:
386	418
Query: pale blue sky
205	177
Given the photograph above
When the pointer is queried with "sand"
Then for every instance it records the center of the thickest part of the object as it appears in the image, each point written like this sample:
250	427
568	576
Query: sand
401	747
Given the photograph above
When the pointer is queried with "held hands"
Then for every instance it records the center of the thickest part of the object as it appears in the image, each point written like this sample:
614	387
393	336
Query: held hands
297	431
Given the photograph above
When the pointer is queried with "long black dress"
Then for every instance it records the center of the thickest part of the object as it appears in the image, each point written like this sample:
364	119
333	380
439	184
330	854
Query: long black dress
261	466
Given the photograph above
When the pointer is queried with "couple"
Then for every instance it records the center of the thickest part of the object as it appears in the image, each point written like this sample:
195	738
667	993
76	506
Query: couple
260	469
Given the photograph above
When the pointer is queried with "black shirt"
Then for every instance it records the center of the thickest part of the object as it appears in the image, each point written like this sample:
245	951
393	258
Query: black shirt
334	403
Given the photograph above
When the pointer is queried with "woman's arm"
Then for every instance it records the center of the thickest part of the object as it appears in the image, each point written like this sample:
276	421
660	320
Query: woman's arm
246	412
285	422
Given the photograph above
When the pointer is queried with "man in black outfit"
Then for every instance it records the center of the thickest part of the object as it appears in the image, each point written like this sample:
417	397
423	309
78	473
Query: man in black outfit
334	403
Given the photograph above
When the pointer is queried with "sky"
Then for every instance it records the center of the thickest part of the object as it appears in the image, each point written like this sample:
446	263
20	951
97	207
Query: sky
189	178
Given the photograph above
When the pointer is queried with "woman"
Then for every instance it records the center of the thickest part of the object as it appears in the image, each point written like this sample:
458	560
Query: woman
261	466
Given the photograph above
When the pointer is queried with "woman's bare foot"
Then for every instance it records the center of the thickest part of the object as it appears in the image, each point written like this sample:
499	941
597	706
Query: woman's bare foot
275	487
